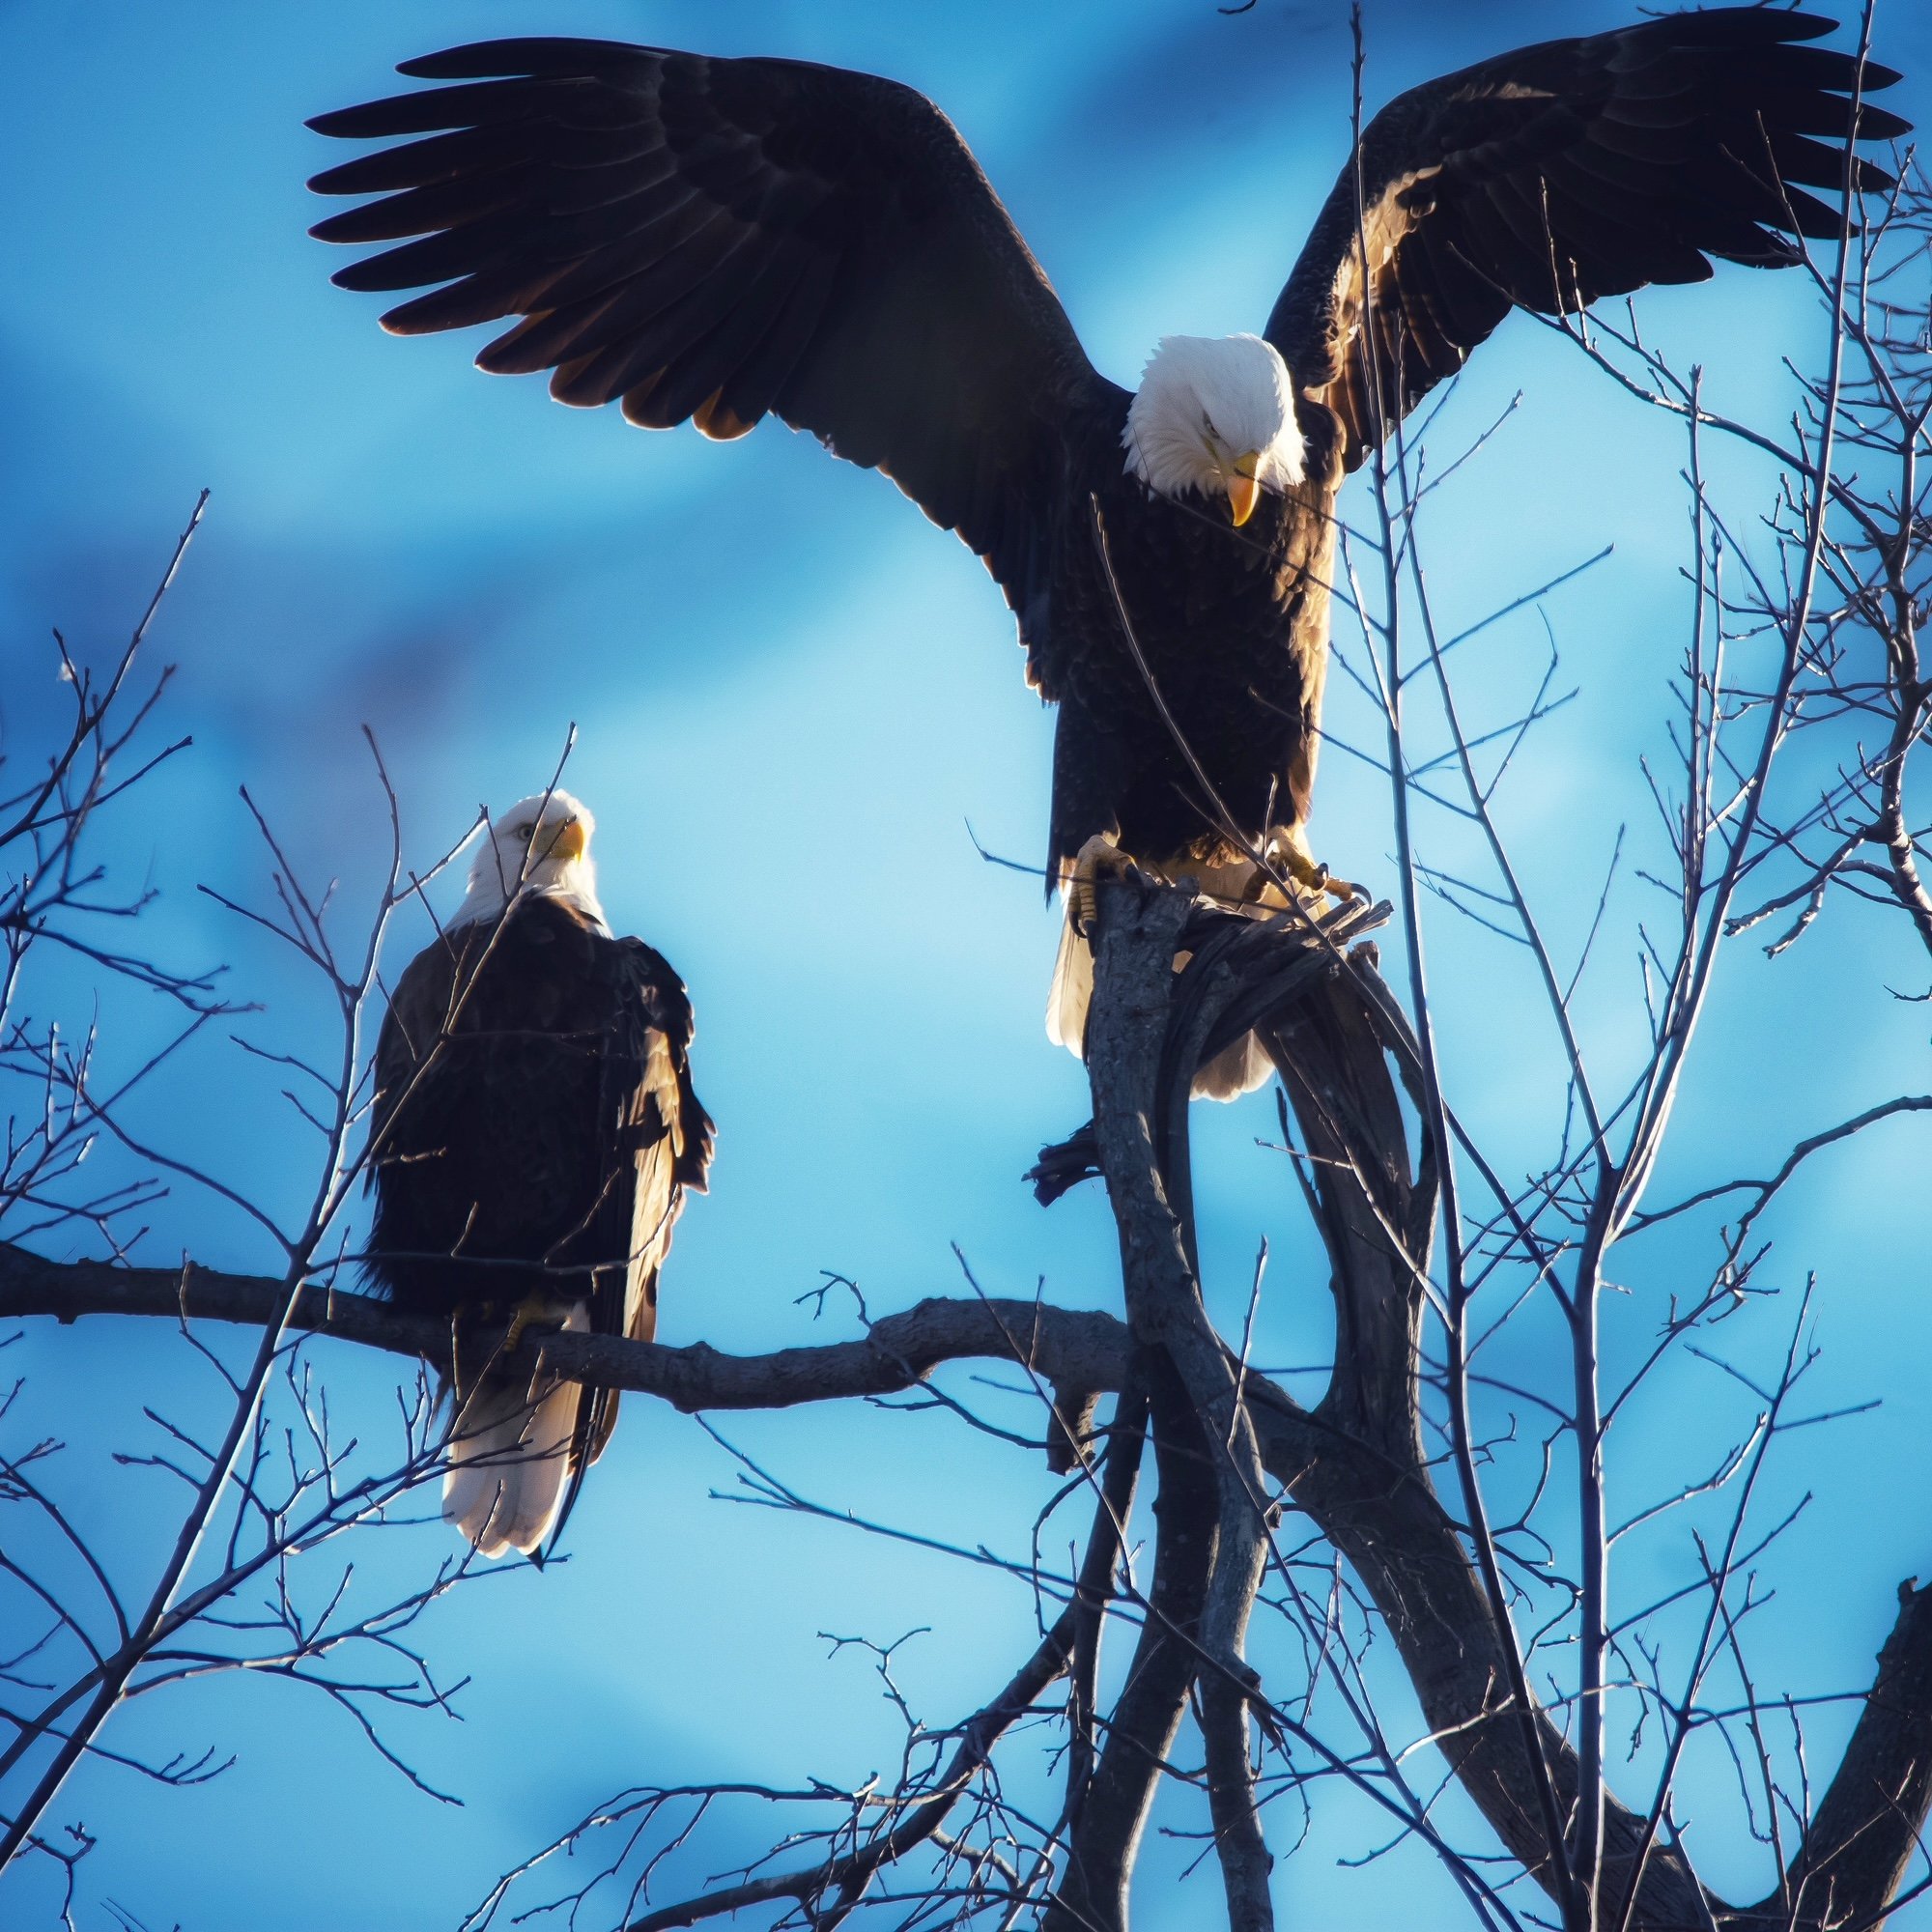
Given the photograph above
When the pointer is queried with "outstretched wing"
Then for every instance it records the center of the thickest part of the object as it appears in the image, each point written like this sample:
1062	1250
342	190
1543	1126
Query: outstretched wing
720	239
1561	173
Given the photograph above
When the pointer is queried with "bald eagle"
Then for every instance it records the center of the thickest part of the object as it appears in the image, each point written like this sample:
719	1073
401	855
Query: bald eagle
719	239
533	1137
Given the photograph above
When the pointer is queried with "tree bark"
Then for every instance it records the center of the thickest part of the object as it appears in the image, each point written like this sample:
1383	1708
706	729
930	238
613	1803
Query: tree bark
1353	1463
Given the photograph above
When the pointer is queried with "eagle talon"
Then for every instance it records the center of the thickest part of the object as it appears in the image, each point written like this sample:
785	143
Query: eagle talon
1085	913
1341	891
1308	871
535	1311
1099	857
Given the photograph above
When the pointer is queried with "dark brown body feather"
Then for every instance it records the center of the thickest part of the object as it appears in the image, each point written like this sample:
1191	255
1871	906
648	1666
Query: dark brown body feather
720	239
1233	625
534	1128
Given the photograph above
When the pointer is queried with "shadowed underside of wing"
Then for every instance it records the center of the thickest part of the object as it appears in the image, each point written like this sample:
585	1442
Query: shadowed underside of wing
716	240
1566	172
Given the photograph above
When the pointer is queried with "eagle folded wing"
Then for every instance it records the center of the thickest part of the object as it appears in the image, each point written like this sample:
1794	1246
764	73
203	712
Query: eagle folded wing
658	1147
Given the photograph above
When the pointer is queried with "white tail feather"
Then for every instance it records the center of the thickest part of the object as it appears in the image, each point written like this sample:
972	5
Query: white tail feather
1072	987
509	1458
1236	1070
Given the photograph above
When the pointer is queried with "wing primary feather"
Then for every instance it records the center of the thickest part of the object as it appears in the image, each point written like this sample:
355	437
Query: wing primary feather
418	211
466	153
536	56
475	298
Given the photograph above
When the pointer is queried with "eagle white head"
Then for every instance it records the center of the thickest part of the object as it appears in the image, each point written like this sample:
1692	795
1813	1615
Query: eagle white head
1215	414
541	846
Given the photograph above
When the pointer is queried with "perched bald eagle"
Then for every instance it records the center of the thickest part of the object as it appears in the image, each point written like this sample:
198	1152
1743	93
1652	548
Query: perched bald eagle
723	238
533	1137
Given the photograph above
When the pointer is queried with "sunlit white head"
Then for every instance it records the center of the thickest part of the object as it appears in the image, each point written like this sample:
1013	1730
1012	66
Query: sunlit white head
540	845
1215	414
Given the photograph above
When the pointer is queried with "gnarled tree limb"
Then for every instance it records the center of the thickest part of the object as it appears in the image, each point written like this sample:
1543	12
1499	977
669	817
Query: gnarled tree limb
1210	1462
1084	1348
1352	1464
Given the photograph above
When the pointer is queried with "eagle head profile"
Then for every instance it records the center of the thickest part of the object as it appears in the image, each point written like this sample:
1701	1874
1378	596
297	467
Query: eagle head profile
1215	414
540	847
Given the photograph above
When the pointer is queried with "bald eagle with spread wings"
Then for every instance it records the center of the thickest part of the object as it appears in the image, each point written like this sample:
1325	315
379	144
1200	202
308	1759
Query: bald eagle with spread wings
720	240
532	1138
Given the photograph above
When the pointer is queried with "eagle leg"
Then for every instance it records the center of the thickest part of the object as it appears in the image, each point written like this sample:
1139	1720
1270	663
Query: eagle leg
1099	857
1290	851
537	1311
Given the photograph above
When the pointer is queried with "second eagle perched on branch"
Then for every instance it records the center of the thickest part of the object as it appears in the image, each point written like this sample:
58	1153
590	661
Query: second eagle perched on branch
533	1137
717	240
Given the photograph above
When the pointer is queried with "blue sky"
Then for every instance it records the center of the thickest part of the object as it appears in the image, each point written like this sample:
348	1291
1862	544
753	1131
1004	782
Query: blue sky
794	695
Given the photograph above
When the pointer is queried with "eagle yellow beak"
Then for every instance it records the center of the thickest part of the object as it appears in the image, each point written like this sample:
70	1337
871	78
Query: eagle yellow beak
570	841
1243	492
